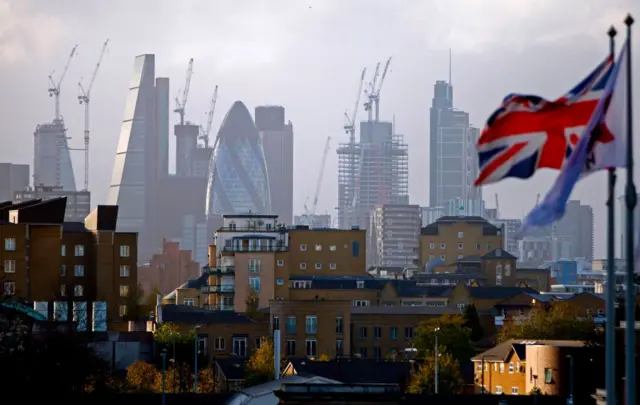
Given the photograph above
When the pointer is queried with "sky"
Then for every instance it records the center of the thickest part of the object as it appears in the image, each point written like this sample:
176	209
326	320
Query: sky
305	55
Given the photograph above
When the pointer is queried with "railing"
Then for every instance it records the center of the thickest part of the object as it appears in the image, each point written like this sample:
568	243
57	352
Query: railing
227	307
219	270
277	248
225	288
218	307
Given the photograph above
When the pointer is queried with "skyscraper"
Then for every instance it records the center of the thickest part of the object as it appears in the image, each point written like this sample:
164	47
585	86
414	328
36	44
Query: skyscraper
13	178
239	181
51	158
277	142
577	225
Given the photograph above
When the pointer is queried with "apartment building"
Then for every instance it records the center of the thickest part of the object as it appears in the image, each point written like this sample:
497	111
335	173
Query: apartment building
451	238
68	271
168	269
394	235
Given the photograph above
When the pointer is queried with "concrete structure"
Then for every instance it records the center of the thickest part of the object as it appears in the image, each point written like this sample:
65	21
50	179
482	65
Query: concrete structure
51	158
577	225
315	220
394	236
372	171
78	202
453	161
69	271
277	142
241	183
431	214
13	178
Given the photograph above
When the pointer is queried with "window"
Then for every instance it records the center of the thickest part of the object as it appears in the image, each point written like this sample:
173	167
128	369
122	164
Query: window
259	342
239	346
460	246
218	343
478	366
190	302
202	345
275	323
291	348
498	389
332	248
122	310
377	332
9	288
393	332
78	290
363	352
359	284
280	263
477	246
502	367
339	347
63	290
432	245
254	265
507	269
10	266
291	325
79	250
548	376
332	266
489	246
254	283
303	247
303	266
443	257
510	368
311	324
280	281
339	324
360	303
124	291
363	332
377	352
78	270
318	248
408	333
125	251
10	244
318	266
125	271
460	234
312	347
63	250
514	390
460	257
443	246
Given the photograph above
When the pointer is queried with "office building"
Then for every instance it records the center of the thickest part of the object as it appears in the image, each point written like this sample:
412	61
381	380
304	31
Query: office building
241	182
78	202
510	228
13	178
577	225
51	158
277	142
394	236
431	214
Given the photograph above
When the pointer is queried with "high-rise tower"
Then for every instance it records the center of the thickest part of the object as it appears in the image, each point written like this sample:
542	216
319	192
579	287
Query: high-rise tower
51	158
277	142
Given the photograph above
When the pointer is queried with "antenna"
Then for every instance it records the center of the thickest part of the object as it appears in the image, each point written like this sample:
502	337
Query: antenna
450	84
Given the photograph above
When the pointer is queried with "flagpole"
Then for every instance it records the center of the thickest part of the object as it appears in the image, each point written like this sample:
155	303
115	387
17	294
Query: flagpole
610	331
631	201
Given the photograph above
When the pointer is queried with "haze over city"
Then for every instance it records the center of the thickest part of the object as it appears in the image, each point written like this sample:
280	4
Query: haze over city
307	57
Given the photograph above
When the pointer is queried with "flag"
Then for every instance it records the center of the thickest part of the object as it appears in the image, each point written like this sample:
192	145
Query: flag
527	132
602	146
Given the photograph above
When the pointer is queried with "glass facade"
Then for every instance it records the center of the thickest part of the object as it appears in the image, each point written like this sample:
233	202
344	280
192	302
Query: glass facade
239	182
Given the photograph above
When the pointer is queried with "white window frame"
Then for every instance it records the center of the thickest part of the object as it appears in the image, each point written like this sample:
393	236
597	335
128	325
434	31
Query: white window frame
10	244
78	250
432	245
280	281
498	389
63	250
311	324
9	288
514	391
125	251
460	234
318	266
313	344
218	343
239	340
303	247
318	248
443	246
125	270
332	248
9	266
332	266
460	246
303	266
359	283
189	301
78	270
280	263
78	290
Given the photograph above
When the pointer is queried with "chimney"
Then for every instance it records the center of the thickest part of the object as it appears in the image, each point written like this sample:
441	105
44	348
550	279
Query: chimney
158	309
276	352
212	255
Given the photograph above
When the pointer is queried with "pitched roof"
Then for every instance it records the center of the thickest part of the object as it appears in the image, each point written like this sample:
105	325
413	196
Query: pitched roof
501	351
487	227
232	367
195	283
354	371
417	310
499	253
185	314
404	288
498	292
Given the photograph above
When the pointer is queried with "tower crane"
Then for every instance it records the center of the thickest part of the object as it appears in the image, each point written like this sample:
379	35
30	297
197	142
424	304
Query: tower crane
376	95
497	207
83	98
181	104
54	90
350	126
310	213
372	86
205	131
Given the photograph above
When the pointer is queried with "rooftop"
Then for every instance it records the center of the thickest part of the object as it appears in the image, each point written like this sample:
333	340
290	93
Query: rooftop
185	314
500	352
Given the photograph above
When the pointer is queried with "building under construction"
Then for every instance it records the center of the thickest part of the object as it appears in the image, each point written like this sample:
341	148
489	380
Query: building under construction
52	161
375	169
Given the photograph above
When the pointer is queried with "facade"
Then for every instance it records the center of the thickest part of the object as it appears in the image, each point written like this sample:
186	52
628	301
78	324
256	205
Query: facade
66	270
449	239
168	269
431	214
186	145
371	172
78	202
577	226
313	220
239	183
394	236
51	158
13	178
511	227
277	142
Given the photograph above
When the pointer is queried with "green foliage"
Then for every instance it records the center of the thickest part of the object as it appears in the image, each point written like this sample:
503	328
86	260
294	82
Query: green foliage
450	378
561	321
169	333
453	336
472	322
260	368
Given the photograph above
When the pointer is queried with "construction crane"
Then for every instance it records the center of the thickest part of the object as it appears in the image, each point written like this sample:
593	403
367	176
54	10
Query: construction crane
54	90
310	213
376	94
205	131
83	98
350	126
497	207
372	86
180	105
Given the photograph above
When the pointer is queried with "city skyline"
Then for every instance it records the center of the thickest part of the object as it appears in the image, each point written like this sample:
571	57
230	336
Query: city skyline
311	130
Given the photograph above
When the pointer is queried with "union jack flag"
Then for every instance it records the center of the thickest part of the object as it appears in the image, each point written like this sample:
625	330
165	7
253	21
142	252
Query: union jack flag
527	132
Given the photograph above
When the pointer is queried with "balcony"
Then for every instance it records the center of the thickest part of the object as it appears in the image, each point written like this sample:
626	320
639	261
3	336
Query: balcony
218	307
219	270
216	289
226	307
275	248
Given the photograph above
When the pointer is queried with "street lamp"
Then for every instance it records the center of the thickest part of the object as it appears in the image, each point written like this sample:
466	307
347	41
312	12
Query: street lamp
164	367
570	398
436	330
195	363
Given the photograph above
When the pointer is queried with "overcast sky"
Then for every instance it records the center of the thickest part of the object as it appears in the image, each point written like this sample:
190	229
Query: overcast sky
307	56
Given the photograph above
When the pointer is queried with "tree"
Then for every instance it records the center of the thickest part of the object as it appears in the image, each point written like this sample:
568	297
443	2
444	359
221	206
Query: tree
141	376
260	368
323	357
207	381
472	322
450	379
452	335
560	321
253	306
169	333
